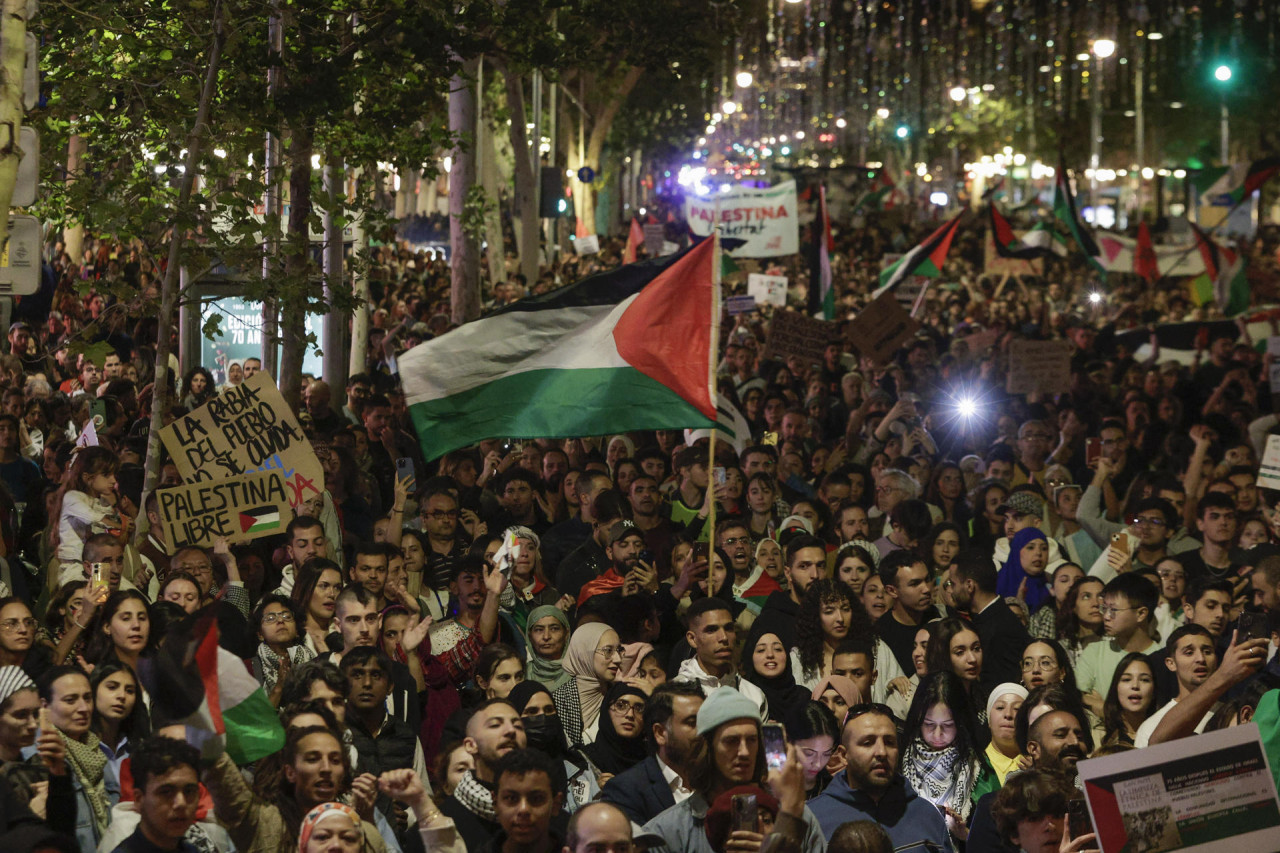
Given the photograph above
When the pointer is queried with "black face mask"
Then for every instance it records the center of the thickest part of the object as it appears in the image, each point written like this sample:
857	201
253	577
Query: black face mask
545	733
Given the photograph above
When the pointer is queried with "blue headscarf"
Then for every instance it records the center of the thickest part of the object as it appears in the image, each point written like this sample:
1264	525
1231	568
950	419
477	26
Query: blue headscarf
1012	575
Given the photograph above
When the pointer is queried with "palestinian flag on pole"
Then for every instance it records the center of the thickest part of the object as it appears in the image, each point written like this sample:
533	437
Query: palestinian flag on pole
1230	185
1064	210
1224	280
1041	236
822	296
1008	244
635	239
196	683
1144	260
925	259
626	349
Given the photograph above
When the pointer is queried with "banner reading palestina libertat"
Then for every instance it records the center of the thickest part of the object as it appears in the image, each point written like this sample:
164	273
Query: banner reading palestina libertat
766	219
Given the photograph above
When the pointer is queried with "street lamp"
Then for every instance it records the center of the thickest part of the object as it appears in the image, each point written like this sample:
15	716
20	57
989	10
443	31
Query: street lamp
1223	75
744	79
958	94
1102	48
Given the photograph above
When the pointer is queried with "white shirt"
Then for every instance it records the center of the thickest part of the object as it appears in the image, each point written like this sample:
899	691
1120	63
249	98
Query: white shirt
674	782
1143	736
691	670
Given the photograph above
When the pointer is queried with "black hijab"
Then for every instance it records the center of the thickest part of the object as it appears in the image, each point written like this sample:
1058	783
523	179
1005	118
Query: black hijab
545	731
611	752
781	691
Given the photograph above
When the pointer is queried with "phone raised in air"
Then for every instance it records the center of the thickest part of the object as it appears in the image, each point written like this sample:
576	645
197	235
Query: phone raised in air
775	746
746	813
1078	822
1092	450
405	469
1251	626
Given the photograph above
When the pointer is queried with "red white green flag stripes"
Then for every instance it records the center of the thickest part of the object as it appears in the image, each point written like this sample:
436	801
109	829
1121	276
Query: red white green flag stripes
622	350
925	259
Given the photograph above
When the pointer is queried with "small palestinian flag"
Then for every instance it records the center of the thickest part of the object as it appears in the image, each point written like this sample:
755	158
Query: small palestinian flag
1230	185
1064	210
925	259
1009	245
259	520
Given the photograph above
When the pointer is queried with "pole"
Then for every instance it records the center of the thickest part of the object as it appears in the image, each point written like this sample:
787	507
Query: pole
715	394
334	367
1095	134
1225	130
1139	128
271	195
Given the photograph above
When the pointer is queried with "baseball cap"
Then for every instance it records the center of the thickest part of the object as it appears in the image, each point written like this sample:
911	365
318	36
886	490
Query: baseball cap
623	529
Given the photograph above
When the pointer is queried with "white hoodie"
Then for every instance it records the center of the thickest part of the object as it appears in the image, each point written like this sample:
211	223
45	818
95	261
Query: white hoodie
691	670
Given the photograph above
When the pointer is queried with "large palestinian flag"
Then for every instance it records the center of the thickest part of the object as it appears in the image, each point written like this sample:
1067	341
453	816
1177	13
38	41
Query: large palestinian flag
626	349
1230	185
925	259
1064	210
1224	280
1039	242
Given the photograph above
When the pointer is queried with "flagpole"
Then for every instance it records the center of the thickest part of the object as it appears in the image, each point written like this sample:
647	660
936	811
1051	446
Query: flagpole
715	391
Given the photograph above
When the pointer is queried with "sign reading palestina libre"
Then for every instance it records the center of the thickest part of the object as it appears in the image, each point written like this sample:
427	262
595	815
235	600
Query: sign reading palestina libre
247	464
767	220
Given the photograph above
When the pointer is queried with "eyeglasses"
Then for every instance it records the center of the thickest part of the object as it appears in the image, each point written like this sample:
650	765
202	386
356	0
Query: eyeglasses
1139	521
1039	663
610	651
11	625
1112	611
622	706
1053	484
272	618
1171	575
738	540
948	584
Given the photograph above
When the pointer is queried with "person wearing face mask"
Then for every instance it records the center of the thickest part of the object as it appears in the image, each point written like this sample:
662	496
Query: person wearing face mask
543	732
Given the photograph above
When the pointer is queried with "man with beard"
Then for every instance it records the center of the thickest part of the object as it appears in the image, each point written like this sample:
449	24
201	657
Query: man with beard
671	733
646	506
590	559
567	536
750	583
1192	658
627	574
494	730
1055	742
806	561
870	788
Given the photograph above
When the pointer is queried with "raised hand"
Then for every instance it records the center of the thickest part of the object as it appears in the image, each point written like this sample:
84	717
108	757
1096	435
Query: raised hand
415	633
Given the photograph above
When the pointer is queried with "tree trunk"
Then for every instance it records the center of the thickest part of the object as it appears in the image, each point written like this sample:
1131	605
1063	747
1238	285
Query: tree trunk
464	291
599	133
73	234
526	202
293	305
169	285
13	58
497	252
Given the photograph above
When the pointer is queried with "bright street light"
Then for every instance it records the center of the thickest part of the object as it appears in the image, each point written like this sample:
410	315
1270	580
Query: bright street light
1222	73
1102	48
958	94
744	79
841	123
729	108
903	131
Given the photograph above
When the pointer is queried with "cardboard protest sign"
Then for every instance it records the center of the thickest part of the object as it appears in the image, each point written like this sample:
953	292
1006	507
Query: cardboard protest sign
1043	366
240	508
768	289
653	239
1211	792
880	328
246	428
1269	470
794	334
765	219
995	265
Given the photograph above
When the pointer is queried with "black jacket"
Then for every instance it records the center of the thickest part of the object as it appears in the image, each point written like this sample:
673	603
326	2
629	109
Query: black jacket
641	792
1003	638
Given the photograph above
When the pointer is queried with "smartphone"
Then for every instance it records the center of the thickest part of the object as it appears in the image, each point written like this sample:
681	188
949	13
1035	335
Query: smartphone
1252	626
1078	822
1120	542
746	813
1092	450
770	439
45	720
99	577
405	469
701	551
646	557
718	475
775	746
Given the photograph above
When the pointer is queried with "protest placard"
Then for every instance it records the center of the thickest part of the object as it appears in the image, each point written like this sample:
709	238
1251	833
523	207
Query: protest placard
995	265
1211	792
1269	470
768	289
765	219
794	334
242	507
653	239
588	245
880	328
246	428
739	305
980	342
1043	366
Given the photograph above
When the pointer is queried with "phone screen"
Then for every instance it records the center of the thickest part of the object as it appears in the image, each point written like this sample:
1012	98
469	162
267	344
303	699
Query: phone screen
1251	626
775	746
746	813
1078	822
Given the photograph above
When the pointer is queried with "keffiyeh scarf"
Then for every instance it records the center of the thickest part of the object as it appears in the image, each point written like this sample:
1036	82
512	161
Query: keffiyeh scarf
475	797
89	762
941	776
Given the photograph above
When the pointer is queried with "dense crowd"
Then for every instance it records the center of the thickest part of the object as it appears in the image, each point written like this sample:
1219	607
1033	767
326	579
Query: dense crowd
921	603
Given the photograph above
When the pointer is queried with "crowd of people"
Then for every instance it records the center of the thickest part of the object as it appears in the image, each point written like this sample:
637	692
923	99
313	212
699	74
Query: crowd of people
533	645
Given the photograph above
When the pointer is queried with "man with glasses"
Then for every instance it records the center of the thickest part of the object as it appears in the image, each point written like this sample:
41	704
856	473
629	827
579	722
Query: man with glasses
1146	542
871	788
1128	617
750	583
1216	520
712	632
447	542
1116	468
1035	441
671	733
231	601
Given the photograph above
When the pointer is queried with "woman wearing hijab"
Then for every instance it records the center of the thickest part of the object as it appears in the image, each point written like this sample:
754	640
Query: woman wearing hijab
544	733
1028	557
839	694
546	637
592	661
640	666
1002	712
620	741
766	664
